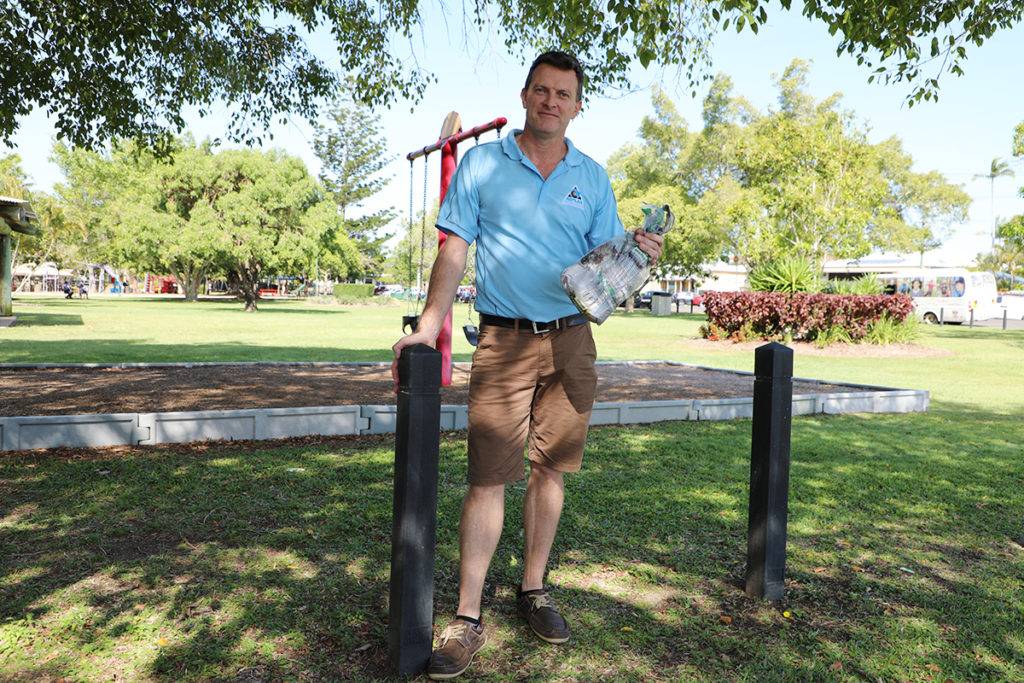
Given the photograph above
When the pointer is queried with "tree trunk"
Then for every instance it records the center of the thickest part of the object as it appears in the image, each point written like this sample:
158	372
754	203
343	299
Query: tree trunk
248	286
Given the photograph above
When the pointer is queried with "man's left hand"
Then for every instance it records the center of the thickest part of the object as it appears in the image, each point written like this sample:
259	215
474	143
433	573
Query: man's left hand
650	244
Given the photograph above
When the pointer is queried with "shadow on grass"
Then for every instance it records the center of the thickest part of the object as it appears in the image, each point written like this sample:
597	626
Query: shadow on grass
47	320
117	350
271	561
124	351
1011	337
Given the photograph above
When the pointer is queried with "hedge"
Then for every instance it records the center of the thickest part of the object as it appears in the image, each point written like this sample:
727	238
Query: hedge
801	317
349	290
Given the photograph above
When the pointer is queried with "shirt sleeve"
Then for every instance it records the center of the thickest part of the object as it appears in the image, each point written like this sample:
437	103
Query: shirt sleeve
460	212
606	223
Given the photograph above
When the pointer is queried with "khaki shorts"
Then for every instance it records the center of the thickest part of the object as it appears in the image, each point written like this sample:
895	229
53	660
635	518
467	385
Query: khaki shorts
529	388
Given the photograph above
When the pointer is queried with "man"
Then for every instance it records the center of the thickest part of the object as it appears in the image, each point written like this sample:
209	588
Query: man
534	204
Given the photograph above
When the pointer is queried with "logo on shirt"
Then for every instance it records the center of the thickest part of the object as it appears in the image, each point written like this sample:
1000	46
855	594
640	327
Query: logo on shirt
574	198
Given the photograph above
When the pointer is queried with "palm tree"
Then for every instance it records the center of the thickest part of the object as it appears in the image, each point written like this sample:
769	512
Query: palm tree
998	169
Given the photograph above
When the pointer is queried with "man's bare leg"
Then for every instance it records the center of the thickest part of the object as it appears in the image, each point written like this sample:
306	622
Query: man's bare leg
542	508
483	515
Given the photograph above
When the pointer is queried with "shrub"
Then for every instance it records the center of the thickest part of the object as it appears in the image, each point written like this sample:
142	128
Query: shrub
801	317
350	290
785	275
836	334
885	330
865	284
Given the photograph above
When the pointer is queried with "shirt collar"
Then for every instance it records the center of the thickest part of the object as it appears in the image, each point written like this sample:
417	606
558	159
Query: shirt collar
573	157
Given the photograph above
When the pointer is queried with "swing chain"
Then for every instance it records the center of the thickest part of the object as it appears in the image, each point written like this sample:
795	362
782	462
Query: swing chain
408	303
423	233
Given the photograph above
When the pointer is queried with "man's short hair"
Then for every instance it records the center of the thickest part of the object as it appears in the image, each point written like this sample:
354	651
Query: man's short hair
560	60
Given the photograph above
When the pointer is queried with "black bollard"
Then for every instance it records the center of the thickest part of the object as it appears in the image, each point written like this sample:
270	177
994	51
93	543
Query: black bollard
1004	318
769	471
414	521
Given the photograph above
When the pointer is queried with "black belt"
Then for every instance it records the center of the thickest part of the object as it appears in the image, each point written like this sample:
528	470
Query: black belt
535	327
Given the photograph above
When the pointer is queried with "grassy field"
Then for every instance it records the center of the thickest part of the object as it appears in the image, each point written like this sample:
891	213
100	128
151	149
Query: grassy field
983	369
249	562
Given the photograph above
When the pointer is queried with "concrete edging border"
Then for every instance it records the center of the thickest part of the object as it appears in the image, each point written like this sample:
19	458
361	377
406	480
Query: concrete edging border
125	429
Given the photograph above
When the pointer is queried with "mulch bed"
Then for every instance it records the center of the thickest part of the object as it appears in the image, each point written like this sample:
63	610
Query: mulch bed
87	391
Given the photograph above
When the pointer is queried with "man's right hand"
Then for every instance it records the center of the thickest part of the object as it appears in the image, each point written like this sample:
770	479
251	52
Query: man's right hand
409	340
445	275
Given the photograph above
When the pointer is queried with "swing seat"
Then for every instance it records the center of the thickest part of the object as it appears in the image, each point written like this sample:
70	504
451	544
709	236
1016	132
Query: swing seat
410	321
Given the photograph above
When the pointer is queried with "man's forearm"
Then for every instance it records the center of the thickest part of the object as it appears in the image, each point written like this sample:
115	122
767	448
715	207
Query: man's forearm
445	276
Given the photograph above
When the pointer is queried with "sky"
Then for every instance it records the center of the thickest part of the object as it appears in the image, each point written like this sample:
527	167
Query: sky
959	135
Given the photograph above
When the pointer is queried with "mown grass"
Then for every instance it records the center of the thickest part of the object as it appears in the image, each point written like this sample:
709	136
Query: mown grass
270	561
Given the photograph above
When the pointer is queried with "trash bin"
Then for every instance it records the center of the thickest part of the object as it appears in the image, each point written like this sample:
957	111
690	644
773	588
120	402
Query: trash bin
661	303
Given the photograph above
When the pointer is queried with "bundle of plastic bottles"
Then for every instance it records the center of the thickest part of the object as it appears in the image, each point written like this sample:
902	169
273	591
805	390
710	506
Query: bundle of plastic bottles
612	271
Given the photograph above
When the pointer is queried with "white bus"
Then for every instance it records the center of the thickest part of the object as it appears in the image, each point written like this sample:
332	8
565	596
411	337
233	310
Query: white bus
942	294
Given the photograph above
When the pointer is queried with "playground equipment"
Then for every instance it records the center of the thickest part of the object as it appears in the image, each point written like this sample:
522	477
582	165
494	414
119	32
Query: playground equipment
451	135
18	216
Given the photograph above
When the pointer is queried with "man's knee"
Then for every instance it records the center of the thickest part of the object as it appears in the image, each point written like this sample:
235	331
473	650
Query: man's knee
484	493
545	473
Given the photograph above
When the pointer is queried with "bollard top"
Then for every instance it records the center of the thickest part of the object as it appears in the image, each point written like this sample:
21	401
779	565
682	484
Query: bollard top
773	360
419	368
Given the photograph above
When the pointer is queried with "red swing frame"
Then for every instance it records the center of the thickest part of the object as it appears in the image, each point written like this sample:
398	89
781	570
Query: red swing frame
449	160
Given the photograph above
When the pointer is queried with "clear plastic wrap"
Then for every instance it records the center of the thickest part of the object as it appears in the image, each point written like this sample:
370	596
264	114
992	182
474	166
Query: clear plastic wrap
612	271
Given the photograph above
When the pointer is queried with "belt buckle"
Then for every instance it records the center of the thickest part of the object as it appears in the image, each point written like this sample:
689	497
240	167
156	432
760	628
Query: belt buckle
546	327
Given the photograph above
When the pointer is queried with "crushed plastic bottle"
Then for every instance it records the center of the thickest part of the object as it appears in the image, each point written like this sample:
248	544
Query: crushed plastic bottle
612	271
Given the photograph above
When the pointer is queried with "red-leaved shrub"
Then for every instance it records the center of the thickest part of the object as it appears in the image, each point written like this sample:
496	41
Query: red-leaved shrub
776	315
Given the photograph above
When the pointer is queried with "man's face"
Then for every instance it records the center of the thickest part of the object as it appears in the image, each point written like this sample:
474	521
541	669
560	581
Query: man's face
550	101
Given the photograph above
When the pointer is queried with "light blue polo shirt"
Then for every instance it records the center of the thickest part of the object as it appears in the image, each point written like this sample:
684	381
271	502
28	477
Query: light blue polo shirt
527	229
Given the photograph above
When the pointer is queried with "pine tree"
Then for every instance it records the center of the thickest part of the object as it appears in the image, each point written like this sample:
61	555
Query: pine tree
353	153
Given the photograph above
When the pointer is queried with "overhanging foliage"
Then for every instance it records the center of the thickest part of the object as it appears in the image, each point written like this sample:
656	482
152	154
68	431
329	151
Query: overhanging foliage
105	69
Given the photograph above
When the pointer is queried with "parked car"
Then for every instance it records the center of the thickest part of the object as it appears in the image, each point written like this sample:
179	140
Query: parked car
643	299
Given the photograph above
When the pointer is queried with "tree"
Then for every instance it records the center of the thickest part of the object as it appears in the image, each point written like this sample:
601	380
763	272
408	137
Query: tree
924	204
798	181
652	173
14	182
412	258
256	210
899	42
817	177
353	153
152	226
1008	257
1012	232
57	237
998	169
240	213
93	182
108	69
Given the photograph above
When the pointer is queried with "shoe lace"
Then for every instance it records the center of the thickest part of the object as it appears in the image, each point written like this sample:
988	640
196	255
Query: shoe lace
454	631
541	601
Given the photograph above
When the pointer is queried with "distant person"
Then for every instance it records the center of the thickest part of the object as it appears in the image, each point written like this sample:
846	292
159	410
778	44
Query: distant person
67	291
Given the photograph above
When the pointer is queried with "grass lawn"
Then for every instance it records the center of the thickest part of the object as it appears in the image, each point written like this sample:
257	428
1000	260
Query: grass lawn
270	561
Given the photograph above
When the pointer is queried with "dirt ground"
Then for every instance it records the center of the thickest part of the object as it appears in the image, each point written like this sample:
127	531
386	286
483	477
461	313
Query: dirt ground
84	391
